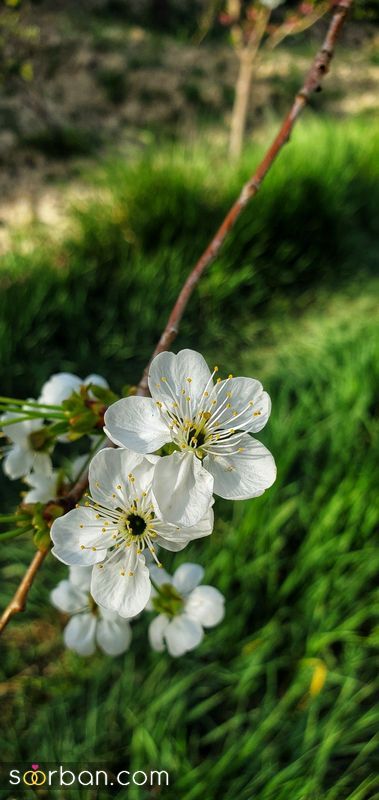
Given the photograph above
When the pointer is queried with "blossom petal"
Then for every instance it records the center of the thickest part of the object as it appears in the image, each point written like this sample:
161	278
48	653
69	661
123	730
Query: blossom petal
81	577
163	366
74	544
187	577
187	370
183	634
18	462
19	431
114	587
79	634
42	463
59	387
250	406
136	422
242	475
109	476
113	635
97	380
68	598
176	537
207	605
191	365
182	489
156	632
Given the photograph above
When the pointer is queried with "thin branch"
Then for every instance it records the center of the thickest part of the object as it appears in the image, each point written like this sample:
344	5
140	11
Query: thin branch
18	601
312	84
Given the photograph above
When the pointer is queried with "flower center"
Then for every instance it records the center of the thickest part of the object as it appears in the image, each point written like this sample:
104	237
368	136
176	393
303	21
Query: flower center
40	441
196	438
136	524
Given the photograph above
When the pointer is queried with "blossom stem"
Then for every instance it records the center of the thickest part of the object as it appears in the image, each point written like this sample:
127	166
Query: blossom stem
12	401
12	534
33	415
13	517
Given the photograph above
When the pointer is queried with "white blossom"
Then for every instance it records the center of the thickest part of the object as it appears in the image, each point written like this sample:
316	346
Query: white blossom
28	448
271	4
209	425
194	608
63	384
90	625
114	527
43	487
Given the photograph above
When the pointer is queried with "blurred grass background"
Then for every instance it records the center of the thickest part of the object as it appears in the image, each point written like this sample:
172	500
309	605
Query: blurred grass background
281	700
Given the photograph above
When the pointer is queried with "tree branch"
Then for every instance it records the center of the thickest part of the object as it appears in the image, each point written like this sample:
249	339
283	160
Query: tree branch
311	84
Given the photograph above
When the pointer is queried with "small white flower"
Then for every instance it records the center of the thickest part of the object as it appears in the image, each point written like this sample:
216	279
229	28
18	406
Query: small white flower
63	384
194	608
43	487
28	450
272	3
208	422
114	527
90	625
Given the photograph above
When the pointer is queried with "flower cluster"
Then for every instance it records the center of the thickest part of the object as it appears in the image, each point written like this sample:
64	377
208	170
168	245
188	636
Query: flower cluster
152	490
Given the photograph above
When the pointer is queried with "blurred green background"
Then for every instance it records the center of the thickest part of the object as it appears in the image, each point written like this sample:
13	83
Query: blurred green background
114	177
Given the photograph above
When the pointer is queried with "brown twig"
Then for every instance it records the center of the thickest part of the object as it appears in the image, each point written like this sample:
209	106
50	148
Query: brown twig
18	601
312	83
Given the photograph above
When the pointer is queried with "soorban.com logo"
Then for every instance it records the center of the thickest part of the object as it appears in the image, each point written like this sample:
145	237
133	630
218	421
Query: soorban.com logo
60	776
34	776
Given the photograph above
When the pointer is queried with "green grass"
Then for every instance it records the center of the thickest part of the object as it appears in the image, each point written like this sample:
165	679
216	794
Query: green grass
299	570
314	223
292	300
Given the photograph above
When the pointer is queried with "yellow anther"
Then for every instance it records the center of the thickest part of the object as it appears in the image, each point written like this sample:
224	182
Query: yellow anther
228	405
206	394
122	572
158	403
82	547
94	549
81	526
103	530
97	516
113	495
230	376
188	399
189	380
163	379
97	485
257	414
118	486
87	503
215	369
234	414
130	572
100	566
